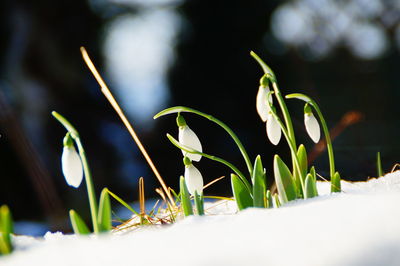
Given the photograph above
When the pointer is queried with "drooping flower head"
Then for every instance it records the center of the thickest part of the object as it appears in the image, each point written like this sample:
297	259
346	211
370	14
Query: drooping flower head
274	131
193	177
188	138
311	124
71	163
262	99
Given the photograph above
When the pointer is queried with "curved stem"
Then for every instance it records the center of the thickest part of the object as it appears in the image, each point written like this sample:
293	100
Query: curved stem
286	116
211	157
88	176
243	151
89	185
324	127
292	147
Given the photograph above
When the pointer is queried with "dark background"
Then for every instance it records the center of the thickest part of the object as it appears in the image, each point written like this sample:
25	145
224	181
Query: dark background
210	69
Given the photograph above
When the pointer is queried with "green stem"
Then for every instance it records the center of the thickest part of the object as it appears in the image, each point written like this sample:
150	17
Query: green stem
327	138
292	147
324	127
178	109
214	158
286	116
88	176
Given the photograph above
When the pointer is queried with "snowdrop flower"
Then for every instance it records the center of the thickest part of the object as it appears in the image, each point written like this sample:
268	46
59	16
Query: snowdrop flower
311	123
274	132
188	138
71	163
262	104
193	177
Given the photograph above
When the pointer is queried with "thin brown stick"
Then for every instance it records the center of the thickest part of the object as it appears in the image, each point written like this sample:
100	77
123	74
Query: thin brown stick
394	167
214	181
107	93
141	197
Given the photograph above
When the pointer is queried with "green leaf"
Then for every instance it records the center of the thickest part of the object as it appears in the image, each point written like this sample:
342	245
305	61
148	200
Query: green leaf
335	183
79	226
310	187
302	156
185	198
269	200
314	176
284	181
259	186
277	202
199	202
241	193
123	203
6	229
104	217
379	164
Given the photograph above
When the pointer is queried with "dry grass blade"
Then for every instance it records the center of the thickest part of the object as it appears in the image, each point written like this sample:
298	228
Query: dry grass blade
107	93
397	165
214	181
142	205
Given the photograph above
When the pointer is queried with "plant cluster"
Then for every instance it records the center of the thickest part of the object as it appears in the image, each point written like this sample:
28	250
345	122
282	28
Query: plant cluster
249	188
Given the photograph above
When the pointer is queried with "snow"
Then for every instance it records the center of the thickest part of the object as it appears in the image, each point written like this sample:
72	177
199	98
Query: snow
360	226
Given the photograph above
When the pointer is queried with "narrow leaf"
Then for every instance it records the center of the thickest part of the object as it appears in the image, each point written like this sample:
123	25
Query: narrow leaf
379	164
259	186
126	205
6	229
310	187
302	156
79	226
335	183
185	198
199	202
241	193
284	181
314	176
104	217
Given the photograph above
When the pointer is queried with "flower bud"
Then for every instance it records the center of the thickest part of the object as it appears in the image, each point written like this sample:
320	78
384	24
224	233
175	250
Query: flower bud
71	166
188	138
262	102
71	163
312	125
193	179
273	130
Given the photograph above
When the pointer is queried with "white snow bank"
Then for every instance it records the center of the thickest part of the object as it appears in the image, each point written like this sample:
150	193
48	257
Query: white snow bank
360	226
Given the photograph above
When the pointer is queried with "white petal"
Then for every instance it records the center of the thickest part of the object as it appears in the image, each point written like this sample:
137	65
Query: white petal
312	127
273	130
193	179
188	138
72	166
262	103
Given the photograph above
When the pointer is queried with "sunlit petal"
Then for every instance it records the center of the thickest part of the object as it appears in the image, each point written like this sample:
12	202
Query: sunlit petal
262	103
71	166
312	127
193	179
188	138
273	130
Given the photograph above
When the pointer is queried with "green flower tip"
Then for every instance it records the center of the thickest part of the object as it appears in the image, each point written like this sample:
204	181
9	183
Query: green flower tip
180	121
307	109
187	161
68	142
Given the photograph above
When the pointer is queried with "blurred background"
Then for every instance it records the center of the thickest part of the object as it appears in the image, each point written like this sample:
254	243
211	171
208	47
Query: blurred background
155	54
